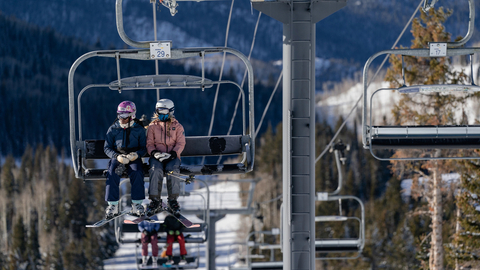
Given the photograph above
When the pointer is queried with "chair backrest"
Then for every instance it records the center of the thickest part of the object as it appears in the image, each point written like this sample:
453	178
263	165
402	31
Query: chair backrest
195	146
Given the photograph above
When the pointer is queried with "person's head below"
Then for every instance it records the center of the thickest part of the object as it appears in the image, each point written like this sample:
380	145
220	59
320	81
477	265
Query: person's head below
164	109
126	111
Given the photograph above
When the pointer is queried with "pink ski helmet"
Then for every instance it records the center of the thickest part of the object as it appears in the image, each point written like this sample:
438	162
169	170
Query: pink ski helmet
126	109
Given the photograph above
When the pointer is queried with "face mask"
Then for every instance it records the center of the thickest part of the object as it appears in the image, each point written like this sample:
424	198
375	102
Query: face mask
163	117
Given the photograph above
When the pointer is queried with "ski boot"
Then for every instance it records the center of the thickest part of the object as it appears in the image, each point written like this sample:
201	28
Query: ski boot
111	211
170	261
144	261
154	207
154	262
137	209
183	260
174	206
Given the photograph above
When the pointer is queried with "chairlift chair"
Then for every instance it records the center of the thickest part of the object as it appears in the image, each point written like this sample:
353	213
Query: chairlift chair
341	244
272	264
336	245
244	144
197	236
200	233
463	137
193	261
83	150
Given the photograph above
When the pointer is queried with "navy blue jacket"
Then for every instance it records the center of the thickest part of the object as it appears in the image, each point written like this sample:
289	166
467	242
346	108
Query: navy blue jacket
125	140
149	226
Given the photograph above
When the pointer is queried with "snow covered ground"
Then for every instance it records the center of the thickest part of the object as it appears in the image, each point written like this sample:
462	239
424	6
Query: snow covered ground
224	194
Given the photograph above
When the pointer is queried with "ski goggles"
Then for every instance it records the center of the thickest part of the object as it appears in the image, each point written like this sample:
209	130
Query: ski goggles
124	115
162	111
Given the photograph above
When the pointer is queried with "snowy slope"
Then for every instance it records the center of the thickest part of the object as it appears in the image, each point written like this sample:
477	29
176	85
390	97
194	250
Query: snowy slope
332	105
225	195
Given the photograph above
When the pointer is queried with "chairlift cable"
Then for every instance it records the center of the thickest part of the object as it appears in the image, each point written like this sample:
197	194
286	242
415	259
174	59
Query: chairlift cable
243	80
269	101
154	4
220	76
272	200
376	73
244	74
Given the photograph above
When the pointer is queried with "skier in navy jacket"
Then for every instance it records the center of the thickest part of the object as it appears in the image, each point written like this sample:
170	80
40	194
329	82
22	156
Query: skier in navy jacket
125	144
149	235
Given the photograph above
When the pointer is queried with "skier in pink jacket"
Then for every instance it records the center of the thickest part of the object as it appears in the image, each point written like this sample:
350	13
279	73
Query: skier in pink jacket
165	143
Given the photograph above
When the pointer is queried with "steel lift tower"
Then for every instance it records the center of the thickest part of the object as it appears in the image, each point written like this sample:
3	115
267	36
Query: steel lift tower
299	18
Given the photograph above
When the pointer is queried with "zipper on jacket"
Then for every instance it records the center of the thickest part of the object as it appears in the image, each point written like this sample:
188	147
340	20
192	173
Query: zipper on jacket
165	133
123	138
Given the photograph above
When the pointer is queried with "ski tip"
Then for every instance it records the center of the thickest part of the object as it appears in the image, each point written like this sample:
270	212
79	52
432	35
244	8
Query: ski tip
127	221
194	226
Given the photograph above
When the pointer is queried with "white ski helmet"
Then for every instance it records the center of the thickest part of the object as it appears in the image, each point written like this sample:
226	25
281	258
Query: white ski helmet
164	109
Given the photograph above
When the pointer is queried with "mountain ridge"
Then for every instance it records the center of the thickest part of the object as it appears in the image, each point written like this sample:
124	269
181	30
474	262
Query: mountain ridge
354	32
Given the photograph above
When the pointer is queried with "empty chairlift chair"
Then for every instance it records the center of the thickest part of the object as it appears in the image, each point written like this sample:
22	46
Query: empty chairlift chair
271	264
431	139
339	245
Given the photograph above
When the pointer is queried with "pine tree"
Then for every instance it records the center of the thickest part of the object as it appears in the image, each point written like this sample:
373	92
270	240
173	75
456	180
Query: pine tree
269	169
37	162
7	184
433	109
33	249
19	241
26	168
76	210
3	261
91	249
73	257
8	180
55	257
465	249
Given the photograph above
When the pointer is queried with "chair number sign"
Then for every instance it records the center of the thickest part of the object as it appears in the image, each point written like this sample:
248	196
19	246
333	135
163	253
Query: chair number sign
438	49
160	50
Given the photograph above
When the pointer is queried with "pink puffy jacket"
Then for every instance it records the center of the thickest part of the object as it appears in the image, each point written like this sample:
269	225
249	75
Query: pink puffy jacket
165	137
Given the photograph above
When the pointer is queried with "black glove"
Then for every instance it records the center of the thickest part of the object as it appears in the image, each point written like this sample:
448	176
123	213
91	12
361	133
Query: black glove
154	231
173	155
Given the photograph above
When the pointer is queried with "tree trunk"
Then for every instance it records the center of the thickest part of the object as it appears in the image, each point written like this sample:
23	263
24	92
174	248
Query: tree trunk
457	230
436	250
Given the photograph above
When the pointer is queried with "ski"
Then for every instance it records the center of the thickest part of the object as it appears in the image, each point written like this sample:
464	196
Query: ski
106	220
139	219
144	217
182	219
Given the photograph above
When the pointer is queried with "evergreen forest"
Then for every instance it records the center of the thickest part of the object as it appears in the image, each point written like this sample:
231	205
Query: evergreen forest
44	210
